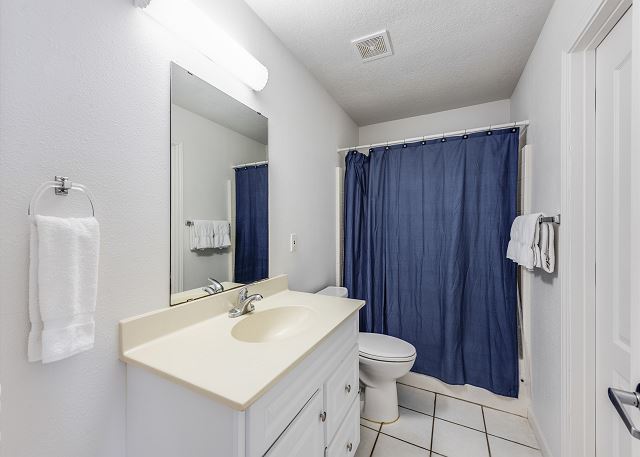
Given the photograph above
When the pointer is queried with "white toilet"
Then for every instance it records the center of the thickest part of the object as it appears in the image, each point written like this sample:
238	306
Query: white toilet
383	359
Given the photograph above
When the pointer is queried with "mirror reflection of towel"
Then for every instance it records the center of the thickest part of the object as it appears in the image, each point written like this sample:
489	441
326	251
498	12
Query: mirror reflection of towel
201	234
221	237
209	235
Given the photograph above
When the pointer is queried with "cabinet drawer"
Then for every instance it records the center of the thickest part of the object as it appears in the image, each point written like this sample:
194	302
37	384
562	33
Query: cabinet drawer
340	391
347	438
304	435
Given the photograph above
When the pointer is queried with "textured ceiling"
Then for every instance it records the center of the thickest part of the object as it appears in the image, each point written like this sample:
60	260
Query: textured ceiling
200	97
447	53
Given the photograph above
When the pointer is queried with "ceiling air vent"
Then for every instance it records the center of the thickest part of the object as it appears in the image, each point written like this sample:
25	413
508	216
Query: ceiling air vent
374	46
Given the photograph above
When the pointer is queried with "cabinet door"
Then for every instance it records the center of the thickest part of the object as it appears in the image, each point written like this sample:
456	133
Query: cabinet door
340	391
304	437
347	438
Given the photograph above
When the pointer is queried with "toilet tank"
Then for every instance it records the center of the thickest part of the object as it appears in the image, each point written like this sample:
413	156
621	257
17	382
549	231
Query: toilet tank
334	291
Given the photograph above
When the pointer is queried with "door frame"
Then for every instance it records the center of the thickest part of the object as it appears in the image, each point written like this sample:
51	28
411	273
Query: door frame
177	218
577	261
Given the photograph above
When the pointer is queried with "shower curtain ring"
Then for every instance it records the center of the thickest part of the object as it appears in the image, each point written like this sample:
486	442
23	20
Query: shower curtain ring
424	140
489	132
443	139
465	136
514	127
404	143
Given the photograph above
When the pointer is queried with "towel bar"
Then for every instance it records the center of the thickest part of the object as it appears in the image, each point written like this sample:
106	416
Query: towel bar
189	223
61	185
555	219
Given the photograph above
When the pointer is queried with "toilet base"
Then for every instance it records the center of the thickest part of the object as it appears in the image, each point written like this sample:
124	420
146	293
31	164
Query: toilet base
381	402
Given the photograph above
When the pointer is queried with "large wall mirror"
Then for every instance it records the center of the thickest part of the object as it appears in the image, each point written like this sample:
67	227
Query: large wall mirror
219	190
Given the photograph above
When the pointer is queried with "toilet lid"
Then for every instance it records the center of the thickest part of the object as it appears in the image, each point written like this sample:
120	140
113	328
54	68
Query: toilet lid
385	348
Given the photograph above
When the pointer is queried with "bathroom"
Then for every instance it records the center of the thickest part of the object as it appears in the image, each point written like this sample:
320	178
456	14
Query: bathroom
91	91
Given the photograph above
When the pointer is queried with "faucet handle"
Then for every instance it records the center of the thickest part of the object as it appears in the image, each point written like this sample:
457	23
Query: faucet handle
242	295
215	285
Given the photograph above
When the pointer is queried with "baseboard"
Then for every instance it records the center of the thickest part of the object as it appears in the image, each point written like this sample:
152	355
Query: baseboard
542	442
469	393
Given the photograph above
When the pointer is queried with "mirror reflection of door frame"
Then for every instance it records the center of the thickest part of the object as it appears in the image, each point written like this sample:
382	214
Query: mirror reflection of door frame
177	219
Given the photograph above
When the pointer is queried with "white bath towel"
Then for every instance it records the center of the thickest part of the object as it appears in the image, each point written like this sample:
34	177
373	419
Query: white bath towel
523	245
221	237
63	285
547	248
201	235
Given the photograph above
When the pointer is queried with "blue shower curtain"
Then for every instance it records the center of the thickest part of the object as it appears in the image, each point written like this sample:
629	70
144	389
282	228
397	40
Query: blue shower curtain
426	233
252	224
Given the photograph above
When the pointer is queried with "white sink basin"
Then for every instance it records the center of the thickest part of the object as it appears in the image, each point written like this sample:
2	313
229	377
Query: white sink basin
273	324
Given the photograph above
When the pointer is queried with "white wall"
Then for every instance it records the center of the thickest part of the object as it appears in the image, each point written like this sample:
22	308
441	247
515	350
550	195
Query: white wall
209	153
537	97
84	91
430	124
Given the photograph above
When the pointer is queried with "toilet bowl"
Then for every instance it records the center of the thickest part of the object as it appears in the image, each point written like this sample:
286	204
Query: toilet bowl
383	359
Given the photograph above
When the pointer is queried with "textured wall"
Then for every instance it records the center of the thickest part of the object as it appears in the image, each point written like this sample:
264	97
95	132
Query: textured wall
538	97
84	91
431	124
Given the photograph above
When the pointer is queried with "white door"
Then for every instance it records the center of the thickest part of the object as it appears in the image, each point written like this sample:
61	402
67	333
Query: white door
613	239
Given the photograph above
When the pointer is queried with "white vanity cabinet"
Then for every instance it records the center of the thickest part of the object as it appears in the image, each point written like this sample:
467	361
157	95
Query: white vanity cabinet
313	410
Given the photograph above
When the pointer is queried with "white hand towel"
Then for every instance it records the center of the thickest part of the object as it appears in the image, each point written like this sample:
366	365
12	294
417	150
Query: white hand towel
221	239
547	248
523	245
63	285
201	235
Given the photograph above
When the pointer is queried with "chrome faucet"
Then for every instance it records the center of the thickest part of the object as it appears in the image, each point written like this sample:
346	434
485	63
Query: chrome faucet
245	303
214	288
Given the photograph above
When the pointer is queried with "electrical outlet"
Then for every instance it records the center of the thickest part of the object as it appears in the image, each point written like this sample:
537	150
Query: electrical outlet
293	242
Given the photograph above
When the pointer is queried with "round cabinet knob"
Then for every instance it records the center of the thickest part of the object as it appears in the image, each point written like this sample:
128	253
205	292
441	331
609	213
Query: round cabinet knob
348	388
323	416
349	447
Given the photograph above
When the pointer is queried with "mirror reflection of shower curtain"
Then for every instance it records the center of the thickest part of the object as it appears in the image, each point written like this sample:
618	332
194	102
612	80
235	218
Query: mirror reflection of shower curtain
252	224
426	233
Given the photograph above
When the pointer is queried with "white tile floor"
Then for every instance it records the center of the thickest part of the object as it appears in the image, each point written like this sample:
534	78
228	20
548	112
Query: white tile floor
432	425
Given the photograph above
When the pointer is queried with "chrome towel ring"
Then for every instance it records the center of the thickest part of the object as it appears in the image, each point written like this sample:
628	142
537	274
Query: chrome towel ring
62	185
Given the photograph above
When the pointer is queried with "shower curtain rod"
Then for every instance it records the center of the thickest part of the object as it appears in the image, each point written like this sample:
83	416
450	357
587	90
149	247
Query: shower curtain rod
252	164
439	135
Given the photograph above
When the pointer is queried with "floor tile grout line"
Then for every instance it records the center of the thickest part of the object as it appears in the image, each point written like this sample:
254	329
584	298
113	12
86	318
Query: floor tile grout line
486	435
371	428
379	429
374	444
416	411
484	421
432	453
442	419
433	423
405	441
462	399
514	442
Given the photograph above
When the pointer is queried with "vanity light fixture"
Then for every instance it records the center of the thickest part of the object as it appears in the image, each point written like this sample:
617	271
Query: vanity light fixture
191	24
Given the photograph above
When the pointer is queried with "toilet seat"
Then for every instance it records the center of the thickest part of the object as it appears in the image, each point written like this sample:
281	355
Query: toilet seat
385	348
